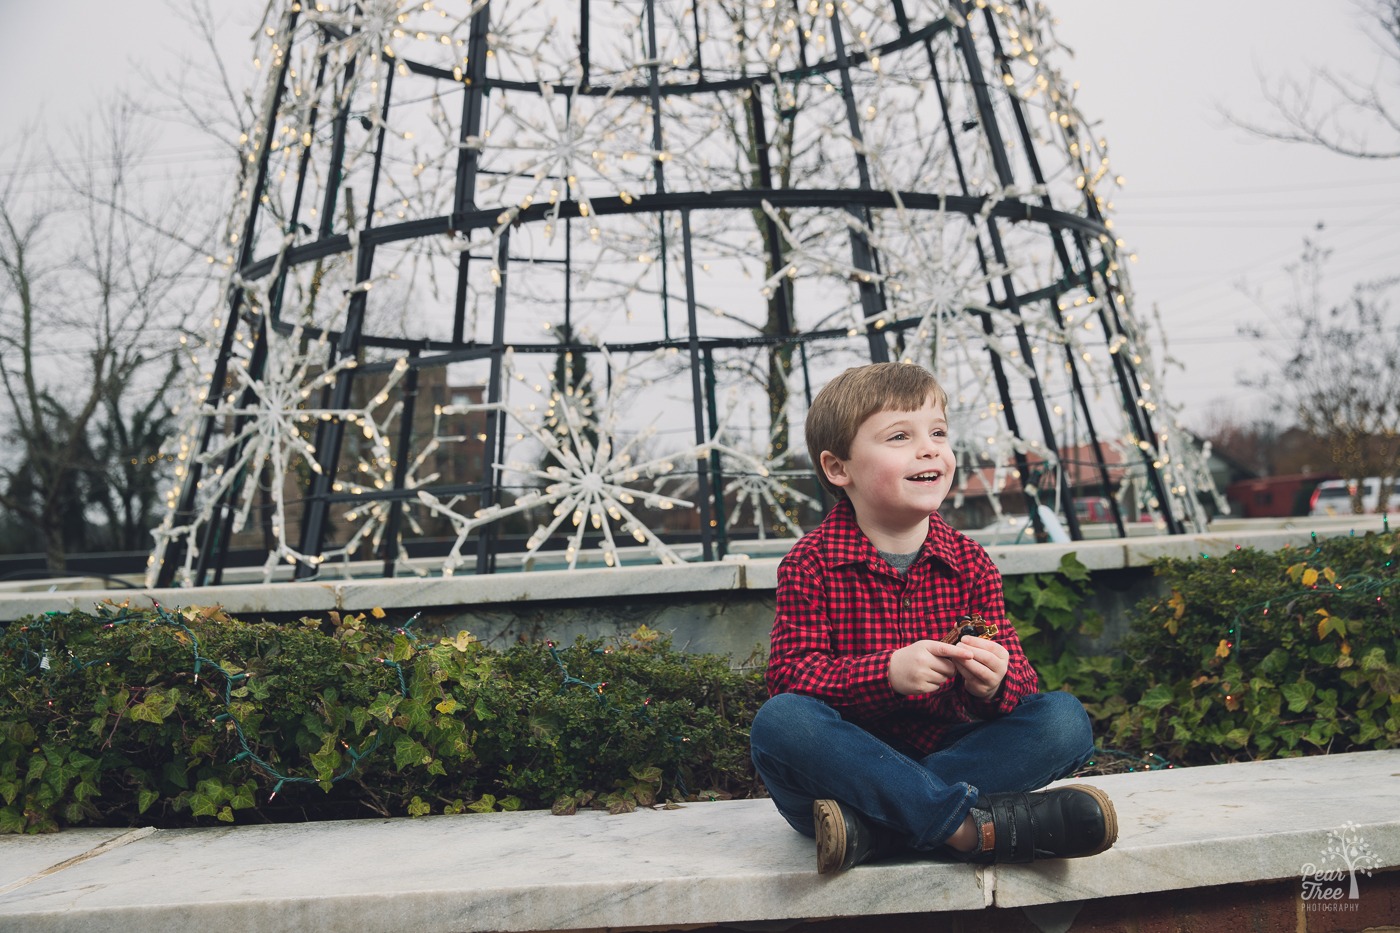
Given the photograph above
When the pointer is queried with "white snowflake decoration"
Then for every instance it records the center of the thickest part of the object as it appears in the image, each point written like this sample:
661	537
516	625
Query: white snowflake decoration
270	430
592	485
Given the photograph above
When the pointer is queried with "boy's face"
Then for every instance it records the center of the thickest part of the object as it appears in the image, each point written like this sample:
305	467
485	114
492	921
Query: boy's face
900	467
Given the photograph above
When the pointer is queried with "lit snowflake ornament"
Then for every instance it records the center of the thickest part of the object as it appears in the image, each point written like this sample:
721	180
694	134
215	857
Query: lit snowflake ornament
588	486
271	426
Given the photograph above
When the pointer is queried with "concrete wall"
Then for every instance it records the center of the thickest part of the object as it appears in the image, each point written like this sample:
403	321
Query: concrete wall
722	607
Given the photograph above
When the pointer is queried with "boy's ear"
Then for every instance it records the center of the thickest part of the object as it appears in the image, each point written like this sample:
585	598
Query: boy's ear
835	469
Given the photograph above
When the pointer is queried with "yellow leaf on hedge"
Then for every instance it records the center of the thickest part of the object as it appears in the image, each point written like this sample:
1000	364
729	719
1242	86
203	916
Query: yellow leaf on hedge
1309	577
1178	604
377	612
461	642
1330	574
447	706
1222	650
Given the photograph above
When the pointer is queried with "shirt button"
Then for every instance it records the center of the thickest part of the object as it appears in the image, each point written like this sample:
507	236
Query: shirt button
908	602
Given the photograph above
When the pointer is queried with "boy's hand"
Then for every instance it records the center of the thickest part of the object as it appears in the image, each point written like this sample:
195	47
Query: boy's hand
926	665
982	673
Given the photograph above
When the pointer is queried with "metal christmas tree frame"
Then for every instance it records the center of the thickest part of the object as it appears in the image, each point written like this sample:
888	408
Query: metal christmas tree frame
633	238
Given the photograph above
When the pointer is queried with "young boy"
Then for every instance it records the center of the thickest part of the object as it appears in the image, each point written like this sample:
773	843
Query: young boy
881	734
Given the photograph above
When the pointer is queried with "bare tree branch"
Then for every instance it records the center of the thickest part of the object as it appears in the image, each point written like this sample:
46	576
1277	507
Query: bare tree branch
1337	111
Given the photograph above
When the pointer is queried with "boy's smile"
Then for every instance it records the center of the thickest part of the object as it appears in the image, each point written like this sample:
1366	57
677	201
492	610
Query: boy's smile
899	470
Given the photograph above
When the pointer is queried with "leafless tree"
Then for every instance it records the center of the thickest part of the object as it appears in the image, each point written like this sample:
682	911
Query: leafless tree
1338	371
1352	115
95	288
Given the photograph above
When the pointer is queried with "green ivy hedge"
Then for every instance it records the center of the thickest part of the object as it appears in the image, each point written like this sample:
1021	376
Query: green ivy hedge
1253	655
127	717
161	718
1261	655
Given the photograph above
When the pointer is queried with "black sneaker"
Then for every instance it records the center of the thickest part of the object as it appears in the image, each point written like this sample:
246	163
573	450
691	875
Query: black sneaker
1067	822
844	840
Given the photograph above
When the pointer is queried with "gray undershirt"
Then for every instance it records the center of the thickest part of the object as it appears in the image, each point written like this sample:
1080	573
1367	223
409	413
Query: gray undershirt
900	562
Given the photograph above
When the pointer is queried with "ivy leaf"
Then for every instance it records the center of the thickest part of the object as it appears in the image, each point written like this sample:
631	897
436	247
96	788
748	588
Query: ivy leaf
84	789
157	705
1309	577
1157	697
1331	623
243	797
1298	695
650	775
12	820
408	752
447	706
462	642
144	798
618	803
1236	738
384	706
1073	568
325	762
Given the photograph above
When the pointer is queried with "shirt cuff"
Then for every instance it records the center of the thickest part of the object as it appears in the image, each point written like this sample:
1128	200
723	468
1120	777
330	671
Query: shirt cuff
870	678
998	704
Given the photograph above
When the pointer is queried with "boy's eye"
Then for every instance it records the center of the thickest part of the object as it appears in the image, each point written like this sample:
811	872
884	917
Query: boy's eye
899	436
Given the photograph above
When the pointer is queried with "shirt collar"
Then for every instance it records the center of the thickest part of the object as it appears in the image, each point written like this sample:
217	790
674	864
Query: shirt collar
849	545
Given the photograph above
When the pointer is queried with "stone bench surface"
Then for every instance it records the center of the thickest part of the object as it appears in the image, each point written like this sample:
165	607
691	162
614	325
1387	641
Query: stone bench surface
705	863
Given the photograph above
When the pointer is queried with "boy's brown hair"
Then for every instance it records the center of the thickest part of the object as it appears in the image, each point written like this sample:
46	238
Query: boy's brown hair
846	401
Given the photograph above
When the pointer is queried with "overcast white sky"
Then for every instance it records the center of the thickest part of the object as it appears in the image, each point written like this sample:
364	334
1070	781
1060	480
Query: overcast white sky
1206	207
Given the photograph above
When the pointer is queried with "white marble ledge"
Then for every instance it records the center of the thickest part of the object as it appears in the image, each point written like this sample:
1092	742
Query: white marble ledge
739	573
706	863
410	592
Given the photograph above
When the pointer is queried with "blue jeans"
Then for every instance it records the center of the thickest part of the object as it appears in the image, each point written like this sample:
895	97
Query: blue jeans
804	751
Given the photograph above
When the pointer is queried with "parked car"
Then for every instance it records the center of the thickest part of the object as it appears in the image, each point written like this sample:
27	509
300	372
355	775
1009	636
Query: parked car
1092	510
1334	497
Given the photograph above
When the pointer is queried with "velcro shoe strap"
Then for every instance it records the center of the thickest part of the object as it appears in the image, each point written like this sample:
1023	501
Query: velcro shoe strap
1014	826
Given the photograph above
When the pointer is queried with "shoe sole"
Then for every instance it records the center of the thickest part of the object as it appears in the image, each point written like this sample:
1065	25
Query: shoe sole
831	835
1110	818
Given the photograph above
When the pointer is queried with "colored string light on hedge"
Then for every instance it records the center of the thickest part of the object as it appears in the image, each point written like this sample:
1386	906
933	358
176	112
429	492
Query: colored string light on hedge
1149	762
233	680
1360	584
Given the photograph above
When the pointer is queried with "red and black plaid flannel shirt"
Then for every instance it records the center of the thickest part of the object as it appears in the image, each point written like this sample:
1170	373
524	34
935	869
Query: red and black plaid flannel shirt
842	611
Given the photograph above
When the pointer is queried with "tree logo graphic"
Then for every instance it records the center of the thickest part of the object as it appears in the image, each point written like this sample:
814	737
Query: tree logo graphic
1331	884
